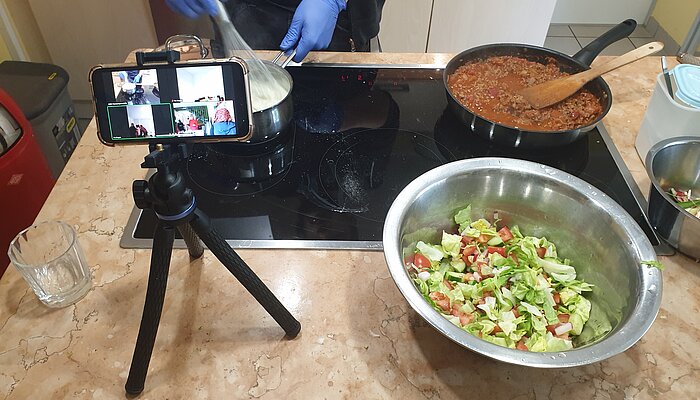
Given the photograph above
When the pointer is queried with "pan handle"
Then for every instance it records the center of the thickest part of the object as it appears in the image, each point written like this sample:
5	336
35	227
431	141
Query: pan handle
619	31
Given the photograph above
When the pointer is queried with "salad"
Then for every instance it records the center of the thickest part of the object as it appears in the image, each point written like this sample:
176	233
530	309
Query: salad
685	200
502	286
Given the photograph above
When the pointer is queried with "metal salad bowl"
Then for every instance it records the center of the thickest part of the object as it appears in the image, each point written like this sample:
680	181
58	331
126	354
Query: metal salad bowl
604	244
674	163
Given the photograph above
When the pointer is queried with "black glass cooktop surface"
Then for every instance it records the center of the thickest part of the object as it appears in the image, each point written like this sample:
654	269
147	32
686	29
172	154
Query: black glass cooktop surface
359	136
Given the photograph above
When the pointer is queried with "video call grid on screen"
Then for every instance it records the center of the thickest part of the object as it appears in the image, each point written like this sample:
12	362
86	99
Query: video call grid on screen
172	102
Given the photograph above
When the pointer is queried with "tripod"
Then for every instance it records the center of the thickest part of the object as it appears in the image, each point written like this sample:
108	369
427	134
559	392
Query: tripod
174	204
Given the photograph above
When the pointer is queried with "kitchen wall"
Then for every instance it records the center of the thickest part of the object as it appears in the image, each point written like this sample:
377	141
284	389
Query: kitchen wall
82	33
676	17
602	11
4	52
27	30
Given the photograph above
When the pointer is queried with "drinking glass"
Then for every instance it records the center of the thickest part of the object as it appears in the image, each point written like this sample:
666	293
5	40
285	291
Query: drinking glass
52	262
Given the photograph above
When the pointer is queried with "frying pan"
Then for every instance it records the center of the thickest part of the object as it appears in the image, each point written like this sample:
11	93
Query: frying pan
513	136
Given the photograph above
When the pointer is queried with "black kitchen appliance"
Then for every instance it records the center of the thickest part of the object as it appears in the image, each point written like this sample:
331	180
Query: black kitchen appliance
360	135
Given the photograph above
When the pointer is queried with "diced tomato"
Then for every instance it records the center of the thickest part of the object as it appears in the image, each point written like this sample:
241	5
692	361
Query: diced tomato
557	298
505	234
516	313
469	250
483	239
496	329
421	261
408	260
515	258
440	300
563	318
521	345
466	319
550	328
499	250
541	251
466	240
448	284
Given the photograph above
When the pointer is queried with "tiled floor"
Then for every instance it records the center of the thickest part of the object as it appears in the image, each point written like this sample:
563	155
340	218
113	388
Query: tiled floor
569	39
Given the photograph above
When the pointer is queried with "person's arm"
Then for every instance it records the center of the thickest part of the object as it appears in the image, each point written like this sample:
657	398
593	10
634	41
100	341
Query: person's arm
193	8
312	26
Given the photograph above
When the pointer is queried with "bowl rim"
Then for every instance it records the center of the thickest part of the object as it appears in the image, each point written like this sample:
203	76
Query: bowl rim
649	161
623	336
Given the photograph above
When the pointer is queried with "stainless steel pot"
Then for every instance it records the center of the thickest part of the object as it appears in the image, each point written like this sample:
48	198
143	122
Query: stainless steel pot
268	123
603	242
674	163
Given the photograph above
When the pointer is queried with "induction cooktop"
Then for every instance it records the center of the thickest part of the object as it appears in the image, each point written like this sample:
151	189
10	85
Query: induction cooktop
360	134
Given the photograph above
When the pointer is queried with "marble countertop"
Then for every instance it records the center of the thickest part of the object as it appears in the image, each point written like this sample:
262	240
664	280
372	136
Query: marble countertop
357	341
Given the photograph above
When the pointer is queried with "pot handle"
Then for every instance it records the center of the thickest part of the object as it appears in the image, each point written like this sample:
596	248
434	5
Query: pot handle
619	31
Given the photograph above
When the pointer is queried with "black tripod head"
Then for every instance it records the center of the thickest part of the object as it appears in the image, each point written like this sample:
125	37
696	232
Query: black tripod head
166	192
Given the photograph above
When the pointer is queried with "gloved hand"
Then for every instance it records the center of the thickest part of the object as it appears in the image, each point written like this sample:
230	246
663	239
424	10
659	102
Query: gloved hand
312	26
193	8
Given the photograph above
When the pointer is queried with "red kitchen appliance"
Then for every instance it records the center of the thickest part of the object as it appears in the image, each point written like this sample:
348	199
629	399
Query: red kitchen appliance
25	178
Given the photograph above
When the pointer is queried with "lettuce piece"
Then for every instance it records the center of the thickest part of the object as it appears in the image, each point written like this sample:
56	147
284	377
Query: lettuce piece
556	344
508	322
597	326
558	271
453	319
468	291
481	224
458	265
655	264
433	252
531	309
422	286
451	244
496	340
539	324
489	307
516	232
495	241
536	343
578	286
463	218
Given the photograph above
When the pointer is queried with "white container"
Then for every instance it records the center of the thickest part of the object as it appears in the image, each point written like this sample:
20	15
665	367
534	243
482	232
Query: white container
665	118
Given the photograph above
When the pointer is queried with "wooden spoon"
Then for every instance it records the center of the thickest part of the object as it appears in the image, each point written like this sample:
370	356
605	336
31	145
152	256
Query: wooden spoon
556	90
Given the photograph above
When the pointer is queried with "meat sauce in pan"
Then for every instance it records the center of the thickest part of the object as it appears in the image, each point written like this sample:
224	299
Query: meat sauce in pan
489	88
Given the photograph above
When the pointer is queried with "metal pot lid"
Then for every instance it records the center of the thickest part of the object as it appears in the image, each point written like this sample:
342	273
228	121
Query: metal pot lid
10	131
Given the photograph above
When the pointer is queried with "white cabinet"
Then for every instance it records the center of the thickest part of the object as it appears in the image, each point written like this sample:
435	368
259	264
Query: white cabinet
451	26
405	25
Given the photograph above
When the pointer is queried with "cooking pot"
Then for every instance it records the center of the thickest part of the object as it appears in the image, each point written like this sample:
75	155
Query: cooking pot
674	163
513	136
269	122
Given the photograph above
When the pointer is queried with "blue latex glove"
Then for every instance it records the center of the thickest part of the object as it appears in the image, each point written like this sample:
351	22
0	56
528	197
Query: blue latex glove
193	8
312	26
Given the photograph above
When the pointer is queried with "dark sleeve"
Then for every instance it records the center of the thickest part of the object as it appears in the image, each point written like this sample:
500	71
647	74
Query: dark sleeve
365	16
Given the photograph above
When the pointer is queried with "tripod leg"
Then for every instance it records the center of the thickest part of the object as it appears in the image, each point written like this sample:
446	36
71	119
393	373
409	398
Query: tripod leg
244	274
194	245
155	294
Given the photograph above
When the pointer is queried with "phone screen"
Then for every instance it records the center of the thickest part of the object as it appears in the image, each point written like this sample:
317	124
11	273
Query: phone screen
171	103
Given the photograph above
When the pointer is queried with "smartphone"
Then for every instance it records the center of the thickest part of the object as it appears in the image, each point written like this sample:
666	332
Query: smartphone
204	101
